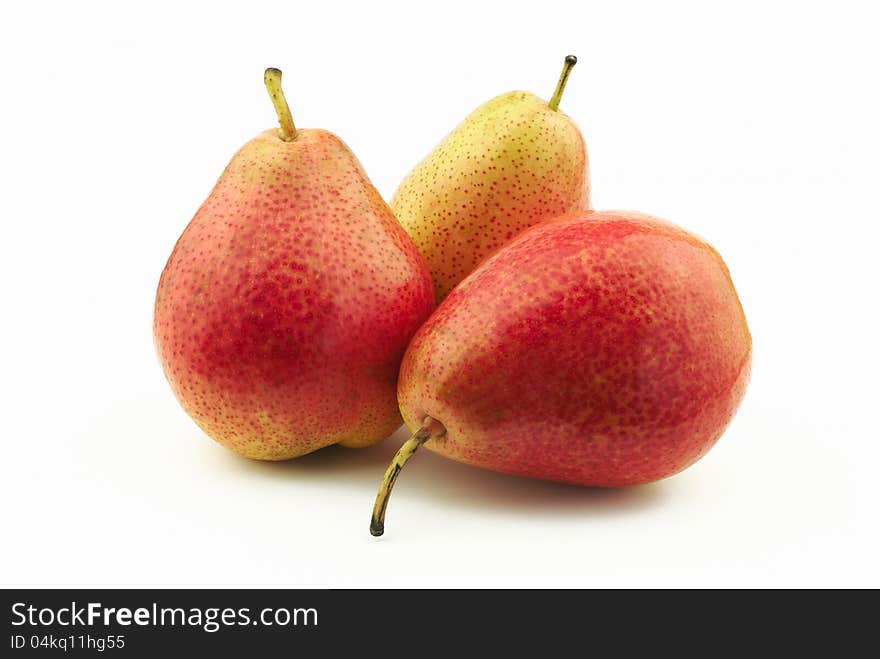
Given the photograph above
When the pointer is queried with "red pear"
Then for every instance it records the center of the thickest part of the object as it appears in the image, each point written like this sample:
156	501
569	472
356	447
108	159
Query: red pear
600	348
286	306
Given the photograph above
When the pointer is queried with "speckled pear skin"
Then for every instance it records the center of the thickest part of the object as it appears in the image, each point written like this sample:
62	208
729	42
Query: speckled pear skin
509	165
600	349
287	304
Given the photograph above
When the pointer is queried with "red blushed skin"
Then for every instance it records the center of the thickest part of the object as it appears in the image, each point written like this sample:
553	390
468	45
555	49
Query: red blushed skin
602	348
287	304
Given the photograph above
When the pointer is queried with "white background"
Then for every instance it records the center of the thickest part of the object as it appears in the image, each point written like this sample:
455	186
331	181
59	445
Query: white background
753	124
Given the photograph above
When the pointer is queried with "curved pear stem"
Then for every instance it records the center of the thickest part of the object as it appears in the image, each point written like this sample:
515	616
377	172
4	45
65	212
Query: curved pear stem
430	428
567	66
272	79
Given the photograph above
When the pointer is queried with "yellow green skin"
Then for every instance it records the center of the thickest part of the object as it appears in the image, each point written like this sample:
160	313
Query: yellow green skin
510	164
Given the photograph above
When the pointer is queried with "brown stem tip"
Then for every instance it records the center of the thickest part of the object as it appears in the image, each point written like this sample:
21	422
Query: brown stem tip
430	428
567	66
272	80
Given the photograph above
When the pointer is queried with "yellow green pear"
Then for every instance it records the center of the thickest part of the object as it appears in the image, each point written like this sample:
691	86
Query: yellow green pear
513	162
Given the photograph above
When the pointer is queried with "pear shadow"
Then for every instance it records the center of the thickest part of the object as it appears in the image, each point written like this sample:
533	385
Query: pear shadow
435	480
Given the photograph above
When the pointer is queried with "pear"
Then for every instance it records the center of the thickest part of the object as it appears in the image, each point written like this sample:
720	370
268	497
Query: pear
513	162
602	349
287	303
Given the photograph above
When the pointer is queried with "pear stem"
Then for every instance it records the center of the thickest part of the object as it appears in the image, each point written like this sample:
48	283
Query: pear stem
567	66
430	428
272	79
